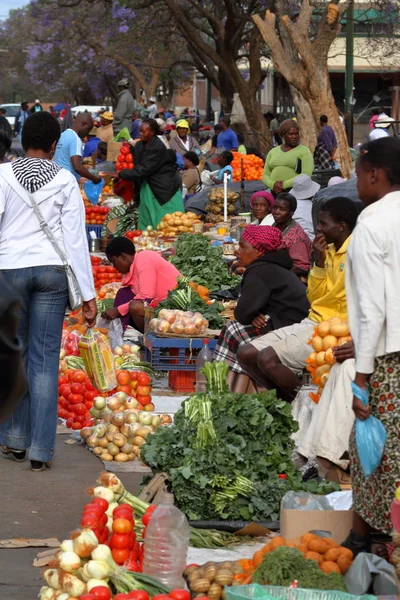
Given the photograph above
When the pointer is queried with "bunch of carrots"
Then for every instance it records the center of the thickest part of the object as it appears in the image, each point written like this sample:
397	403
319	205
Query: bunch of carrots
201	290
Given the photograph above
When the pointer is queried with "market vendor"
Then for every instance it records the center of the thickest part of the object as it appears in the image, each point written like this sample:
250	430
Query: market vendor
285	162
294	238
276	359
182	142
105	132
148	277
261	204
155	176
271	297
224	160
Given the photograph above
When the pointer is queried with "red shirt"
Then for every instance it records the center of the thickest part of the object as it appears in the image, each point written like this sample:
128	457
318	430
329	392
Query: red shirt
150	277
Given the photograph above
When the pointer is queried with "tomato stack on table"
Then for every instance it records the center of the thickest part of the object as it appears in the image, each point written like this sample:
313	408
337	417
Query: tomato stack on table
96	215
124	158
103	274
75	399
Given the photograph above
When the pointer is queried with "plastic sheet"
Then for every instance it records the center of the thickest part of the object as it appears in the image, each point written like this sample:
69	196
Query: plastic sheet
370	571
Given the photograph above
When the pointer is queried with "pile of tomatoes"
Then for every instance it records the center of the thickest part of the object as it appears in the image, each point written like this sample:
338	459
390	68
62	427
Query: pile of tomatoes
96	215
125	549
136	384
124	158
103	274
133	234
75	399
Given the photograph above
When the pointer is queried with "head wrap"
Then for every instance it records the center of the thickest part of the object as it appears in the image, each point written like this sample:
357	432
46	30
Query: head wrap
107	115
263	237
263	194
286	125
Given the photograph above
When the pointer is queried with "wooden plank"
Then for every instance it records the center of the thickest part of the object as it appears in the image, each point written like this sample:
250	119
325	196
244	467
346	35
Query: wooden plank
14	543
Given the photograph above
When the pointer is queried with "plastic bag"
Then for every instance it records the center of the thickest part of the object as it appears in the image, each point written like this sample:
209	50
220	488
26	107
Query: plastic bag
99	360
123	135
368	569
304	501
371	439
93	190
69	342
115	331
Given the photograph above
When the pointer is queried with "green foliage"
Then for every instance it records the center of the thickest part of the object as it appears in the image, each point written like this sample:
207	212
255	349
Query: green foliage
202	263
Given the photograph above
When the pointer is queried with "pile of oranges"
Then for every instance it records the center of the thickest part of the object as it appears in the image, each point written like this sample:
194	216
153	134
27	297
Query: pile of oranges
253	166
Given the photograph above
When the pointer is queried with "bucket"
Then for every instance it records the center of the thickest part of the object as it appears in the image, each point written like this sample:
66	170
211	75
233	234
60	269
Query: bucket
94	245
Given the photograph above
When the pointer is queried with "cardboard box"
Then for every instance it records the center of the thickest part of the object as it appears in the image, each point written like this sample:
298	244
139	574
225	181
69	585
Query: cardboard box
295	523
113	149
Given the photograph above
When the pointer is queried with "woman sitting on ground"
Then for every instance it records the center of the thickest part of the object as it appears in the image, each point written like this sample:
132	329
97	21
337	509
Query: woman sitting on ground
285	162
261	204
157	182
147	278
191	178
271	297
294	238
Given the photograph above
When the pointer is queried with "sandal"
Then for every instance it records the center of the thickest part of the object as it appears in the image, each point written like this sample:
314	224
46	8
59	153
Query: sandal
17	455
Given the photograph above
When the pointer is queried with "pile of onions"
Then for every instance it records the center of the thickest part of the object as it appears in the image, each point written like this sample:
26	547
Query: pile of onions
179	322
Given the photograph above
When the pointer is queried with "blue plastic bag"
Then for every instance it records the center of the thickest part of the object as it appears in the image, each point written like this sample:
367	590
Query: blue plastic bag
93	190
370	438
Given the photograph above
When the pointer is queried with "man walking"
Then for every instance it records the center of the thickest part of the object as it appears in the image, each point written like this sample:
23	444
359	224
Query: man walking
69	149
37	107
20	120
125	107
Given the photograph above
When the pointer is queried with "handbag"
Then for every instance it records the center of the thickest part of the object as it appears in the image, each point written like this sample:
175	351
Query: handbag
74	292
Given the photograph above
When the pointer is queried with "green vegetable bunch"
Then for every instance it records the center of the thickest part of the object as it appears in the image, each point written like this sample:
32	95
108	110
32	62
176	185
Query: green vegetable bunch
223	459
202	263
284	565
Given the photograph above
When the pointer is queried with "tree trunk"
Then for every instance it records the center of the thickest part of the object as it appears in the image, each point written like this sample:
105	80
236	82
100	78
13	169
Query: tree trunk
305	119
226	92
254	115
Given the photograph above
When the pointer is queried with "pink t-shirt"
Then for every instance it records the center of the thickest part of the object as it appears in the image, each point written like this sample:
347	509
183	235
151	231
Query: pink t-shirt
150	277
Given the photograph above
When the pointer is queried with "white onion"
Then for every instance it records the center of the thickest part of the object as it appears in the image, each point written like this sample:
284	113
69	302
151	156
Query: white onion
99	569
103	492
74	586
67	546
52	578
96	582
69	562
85	543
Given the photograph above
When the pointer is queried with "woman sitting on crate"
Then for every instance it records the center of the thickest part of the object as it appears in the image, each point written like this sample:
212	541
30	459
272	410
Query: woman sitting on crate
155	177
148	278
272	296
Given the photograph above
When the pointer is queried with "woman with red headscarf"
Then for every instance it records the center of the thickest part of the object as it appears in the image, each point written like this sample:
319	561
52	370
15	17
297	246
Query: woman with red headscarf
271	296
261	206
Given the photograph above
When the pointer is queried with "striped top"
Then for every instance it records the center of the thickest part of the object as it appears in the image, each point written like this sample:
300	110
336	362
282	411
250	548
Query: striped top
34	173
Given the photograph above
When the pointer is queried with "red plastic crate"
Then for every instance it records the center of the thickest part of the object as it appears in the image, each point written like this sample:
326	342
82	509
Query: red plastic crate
182	381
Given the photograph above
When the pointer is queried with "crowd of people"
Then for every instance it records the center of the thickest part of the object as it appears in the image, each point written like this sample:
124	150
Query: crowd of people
300	266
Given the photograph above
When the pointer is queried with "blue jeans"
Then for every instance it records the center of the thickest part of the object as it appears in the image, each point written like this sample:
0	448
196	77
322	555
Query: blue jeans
43	293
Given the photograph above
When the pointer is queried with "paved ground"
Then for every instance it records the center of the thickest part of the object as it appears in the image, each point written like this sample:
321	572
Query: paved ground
43	505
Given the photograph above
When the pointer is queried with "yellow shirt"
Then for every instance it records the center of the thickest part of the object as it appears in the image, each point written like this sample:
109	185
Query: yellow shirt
326	286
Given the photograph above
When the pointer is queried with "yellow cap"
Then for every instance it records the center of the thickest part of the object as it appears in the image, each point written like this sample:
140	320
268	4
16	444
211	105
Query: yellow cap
108	116
183	123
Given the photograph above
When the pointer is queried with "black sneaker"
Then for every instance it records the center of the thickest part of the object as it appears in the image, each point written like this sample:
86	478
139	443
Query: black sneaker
37	466
357	543
17	455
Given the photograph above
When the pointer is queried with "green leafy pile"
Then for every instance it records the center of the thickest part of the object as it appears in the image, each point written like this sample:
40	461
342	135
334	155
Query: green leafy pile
202	263
184	298
284	565
225	451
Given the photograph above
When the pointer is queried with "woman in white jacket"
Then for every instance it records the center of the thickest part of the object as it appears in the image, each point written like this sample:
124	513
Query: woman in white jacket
32	267
373	301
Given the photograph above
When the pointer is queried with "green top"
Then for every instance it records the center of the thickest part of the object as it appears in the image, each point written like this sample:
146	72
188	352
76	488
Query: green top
280	166
242	149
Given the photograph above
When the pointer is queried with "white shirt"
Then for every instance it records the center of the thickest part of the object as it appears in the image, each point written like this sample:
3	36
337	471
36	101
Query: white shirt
303	217
373	282
378	133
23	243
268	220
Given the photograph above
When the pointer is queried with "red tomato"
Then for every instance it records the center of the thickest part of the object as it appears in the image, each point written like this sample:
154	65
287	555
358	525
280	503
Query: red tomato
124	150
120	556
161	597
76	426
65	390
101	502
94	509
120	541
75	399
138	595
69	422
146	519
144	379
144	400
63	380
77	388
122	526
80	419
124	165
89	520
120	597
100	592
123	506
89	386
89	404
124	388
80	409
179	594
88	597
62	413
123	514
90	395
129	157
79	376
143	390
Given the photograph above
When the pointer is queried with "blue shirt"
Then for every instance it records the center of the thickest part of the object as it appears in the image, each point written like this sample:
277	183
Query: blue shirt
135	129
228	169
227	139
69	144
91	146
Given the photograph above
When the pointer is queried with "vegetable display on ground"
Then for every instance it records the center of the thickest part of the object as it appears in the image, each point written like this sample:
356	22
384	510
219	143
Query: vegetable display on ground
224	453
